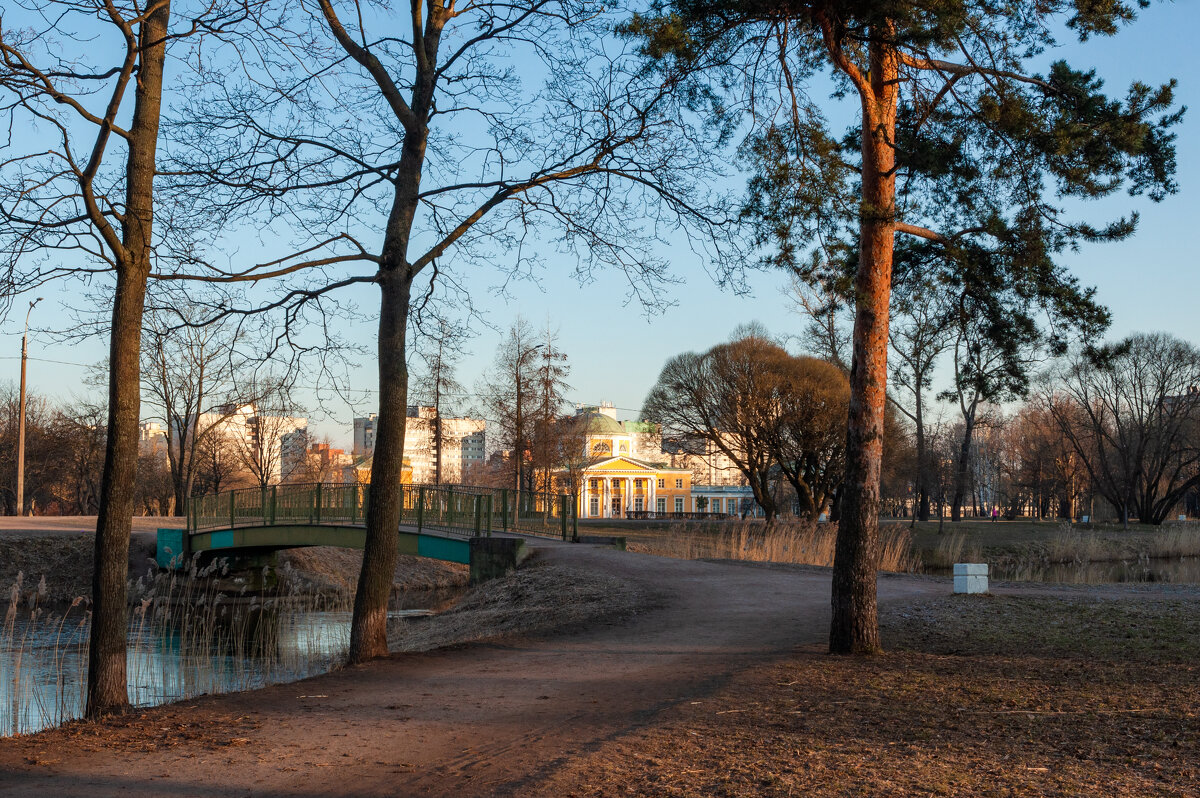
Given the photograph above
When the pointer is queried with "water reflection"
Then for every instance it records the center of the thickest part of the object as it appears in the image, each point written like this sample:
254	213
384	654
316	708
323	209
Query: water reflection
175	651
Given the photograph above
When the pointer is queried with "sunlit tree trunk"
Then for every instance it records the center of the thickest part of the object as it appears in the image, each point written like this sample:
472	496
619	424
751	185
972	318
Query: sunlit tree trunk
855	628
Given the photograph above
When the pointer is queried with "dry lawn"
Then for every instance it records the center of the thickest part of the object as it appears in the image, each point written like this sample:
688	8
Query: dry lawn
981	696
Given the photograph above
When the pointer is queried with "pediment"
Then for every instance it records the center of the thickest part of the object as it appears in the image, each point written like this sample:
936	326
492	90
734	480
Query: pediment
622	464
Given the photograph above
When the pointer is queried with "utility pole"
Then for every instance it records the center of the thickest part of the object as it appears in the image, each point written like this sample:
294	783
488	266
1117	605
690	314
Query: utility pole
21	415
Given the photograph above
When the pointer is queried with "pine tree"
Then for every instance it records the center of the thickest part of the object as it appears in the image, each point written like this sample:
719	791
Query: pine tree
959	147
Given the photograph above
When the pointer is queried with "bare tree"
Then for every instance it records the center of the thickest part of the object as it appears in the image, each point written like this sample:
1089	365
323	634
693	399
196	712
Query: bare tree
189	383
986	372
728	396
86	187
261	449
509	396
550	378
438	384
1132	414
920	333
809	444
431	140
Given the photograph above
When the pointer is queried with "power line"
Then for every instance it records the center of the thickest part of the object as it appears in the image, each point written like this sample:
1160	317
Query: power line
44	360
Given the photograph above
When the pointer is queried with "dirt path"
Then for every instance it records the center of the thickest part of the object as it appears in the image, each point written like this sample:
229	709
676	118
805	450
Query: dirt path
473	720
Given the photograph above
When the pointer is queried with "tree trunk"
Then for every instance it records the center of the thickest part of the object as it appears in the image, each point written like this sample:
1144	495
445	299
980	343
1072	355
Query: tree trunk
922	456
107	690
368	630
960	474
855	626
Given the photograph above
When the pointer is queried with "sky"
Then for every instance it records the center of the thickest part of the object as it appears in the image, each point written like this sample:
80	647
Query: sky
616	349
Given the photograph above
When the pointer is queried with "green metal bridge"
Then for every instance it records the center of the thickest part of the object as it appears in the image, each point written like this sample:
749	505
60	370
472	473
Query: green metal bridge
436	521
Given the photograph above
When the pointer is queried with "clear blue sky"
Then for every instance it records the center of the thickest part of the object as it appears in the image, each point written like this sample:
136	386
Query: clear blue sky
616	351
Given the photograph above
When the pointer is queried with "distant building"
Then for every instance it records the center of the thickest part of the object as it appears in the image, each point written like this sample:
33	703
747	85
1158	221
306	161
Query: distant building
464	441
630	469
623	472
260	440
709	464
152	440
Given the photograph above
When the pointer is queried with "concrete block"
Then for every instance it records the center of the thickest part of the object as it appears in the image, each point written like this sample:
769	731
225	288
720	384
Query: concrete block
493	558
970	577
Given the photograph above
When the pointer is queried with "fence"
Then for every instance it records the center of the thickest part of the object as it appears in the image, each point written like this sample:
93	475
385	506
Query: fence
456	509
653	515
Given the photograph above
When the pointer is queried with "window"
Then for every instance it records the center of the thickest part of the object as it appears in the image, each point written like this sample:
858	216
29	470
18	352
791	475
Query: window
679	504
594	484
638	504
662	503
637	484
662	483
594	507
679	483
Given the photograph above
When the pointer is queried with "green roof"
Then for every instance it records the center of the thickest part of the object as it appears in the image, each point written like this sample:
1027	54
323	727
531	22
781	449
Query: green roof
600	424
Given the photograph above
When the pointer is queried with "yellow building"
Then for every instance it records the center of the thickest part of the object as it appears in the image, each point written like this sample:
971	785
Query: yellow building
620	479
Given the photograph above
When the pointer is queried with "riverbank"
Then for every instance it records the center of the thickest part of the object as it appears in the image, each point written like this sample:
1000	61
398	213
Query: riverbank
60	551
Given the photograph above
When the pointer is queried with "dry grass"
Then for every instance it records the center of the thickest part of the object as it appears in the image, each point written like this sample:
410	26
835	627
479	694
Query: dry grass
1079	546
325	568
1176	540
982	696
791	541
539	599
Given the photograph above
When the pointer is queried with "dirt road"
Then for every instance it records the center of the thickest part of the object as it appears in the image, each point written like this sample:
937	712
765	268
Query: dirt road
494	719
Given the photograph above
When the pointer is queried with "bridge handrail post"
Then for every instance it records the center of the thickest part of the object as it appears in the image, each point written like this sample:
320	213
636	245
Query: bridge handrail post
490	498
274	499
448	517
478	515
232	508
504	509
262	504
318	503
420	508
354	504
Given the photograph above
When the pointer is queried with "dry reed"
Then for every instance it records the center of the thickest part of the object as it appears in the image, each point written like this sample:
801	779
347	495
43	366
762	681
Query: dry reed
793	541
191	632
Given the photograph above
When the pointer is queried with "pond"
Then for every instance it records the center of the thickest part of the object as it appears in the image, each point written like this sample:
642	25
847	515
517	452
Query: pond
176	650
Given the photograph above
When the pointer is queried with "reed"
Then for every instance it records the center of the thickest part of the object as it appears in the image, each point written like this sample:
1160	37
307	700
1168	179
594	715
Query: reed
201	630
793	541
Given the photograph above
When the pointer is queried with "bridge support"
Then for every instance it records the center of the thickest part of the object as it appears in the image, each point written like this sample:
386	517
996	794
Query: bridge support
494	558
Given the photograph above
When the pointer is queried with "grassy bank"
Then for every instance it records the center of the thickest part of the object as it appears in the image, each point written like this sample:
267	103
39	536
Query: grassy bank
979	696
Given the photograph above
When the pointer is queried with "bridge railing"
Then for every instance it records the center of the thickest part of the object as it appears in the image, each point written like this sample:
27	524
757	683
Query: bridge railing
455	509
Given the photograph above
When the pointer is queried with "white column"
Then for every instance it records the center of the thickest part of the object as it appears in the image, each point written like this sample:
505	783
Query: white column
628	495
583	511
